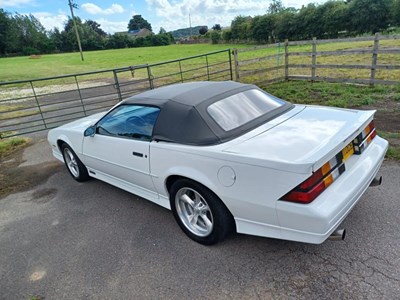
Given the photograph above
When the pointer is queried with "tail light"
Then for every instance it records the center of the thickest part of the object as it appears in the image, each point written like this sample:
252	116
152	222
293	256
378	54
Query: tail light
321	179
311	188
364	138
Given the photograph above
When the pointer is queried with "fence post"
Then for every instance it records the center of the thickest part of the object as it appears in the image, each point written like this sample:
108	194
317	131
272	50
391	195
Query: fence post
180	71
117	85
151	77
230	63
208	69
286	59
236	61
374	58
313	58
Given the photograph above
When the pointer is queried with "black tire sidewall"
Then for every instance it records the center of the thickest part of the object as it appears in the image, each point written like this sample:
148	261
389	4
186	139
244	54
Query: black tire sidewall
83	173
222	218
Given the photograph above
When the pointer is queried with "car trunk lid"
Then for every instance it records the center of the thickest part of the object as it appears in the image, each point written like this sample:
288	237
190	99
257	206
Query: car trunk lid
308	138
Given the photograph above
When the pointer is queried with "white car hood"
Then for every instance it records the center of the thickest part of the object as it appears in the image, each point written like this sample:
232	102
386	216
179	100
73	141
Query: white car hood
311	137
82	124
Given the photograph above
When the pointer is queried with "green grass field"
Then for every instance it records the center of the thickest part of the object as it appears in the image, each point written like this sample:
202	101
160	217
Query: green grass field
21	68
354	59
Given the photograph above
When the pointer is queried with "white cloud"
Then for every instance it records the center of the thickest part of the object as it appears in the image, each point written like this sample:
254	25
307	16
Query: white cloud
14	3
299	3
112	27
93	9
49	21
208	12
174	14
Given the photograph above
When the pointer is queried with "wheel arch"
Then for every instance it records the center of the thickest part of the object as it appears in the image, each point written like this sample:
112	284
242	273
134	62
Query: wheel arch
62	139
60	142
170	180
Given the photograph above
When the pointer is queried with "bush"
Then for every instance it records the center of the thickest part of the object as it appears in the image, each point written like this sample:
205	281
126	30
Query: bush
30	51
227	35
215	37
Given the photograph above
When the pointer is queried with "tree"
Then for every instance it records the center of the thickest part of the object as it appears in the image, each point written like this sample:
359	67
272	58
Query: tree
117	41
203	30
286	26
5	28
276	6
396	13
138	22
227	35
96	27
215	36
57	39
69	36
162	30
334	17
31	37
369	16
306	21
262	28
217	27
241	28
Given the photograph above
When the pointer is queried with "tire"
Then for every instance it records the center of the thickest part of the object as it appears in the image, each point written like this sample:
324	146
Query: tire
74	165
199	212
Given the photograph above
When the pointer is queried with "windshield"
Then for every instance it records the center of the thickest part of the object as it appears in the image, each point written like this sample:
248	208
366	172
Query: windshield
239	109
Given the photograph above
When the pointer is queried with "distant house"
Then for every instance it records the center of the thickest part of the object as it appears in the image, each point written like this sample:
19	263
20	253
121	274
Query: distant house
140	32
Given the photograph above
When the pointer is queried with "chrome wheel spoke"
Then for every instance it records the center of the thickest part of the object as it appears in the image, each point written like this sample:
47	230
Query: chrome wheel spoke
197	199
71	162
194	212
193	219
206	221
186	199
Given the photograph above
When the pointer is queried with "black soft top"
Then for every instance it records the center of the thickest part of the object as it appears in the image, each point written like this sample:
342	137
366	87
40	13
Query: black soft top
183	114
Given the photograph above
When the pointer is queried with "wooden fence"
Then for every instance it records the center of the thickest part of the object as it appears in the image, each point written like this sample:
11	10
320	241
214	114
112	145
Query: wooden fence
363	60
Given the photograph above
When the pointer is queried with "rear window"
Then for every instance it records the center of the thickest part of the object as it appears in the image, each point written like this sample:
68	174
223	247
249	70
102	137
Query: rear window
239	109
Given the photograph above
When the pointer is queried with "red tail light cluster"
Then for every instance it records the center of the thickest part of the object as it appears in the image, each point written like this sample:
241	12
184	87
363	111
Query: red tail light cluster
311	188
364	138
321	179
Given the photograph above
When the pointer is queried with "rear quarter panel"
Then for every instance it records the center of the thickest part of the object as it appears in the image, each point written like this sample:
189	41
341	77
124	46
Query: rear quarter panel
253	194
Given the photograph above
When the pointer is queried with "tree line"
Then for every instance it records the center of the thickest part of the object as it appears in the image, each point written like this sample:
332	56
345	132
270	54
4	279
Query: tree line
331	19
25	35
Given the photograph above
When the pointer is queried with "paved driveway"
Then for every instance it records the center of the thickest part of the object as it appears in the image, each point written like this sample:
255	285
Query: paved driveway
66	240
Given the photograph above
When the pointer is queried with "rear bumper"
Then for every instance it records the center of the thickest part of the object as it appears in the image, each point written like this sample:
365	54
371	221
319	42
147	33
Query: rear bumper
314	222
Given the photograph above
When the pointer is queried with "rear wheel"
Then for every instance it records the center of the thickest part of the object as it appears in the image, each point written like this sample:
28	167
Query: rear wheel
199	212
74	166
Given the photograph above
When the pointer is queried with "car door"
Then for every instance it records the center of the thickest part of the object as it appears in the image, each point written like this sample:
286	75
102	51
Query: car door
119	151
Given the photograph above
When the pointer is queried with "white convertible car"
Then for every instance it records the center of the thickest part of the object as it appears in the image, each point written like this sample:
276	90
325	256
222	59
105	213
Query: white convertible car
226	156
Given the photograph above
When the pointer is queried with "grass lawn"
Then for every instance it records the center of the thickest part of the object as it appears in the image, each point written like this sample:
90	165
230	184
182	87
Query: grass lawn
355	59
21	68
9	145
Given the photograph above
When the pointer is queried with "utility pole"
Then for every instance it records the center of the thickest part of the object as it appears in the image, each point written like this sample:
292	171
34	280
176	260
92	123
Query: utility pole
190	26
72	5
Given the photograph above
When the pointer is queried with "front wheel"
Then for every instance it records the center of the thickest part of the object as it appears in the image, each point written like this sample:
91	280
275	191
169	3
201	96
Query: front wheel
199	212
74	165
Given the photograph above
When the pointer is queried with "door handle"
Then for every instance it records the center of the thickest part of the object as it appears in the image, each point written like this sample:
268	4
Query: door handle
137	154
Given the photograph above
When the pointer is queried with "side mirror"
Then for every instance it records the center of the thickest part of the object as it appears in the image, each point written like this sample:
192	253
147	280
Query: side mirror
90	131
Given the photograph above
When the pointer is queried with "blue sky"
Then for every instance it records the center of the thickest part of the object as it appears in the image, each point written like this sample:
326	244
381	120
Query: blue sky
170	14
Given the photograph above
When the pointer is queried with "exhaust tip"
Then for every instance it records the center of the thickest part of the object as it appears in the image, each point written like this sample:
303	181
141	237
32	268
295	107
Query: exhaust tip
376	181
338	235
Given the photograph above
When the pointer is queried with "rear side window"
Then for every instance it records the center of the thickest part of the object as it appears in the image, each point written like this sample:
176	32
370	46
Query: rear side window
239	109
